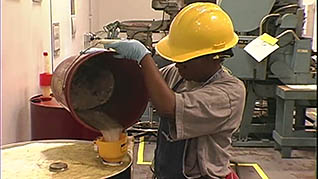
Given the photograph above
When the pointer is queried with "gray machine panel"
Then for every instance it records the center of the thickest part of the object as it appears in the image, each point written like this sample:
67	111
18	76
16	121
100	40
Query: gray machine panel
251	18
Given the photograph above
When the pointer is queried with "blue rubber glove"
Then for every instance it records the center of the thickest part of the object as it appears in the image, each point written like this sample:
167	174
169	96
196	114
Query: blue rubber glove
129	49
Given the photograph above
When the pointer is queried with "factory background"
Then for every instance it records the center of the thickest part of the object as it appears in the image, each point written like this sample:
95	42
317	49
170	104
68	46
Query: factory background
26	32
31	27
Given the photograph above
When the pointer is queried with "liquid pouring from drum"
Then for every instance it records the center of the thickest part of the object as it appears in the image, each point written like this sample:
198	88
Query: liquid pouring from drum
92	86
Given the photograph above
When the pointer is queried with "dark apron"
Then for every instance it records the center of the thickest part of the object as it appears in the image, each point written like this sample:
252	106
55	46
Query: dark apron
168	153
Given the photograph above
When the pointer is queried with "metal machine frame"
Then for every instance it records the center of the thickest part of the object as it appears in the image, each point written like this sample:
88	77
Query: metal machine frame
292	63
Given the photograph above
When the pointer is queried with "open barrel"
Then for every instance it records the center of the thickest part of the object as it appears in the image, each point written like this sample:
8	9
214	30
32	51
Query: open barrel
105	86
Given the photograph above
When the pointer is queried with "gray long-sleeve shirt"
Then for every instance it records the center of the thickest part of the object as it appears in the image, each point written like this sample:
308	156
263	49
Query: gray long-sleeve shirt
207	114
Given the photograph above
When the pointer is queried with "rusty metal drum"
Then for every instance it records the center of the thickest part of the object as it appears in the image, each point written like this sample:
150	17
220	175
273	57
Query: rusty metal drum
108	87
49	120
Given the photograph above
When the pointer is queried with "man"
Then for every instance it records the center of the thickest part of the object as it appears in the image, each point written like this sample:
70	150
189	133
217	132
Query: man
199	102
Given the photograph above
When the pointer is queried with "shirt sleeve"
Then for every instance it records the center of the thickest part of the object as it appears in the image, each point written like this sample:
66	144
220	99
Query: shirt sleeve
200	112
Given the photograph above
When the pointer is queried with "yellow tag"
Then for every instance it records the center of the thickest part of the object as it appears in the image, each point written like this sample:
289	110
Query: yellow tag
269	39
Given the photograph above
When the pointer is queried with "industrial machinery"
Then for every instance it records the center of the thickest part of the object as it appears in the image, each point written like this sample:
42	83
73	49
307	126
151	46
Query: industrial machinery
291	64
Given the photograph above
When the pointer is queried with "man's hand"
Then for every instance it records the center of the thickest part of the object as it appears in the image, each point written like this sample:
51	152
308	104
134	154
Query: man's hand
129	49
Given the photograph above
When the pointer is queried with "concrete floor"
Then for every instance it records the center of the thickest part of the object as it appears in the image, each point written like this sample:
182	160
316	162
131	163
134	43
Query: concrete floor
302	164
253	163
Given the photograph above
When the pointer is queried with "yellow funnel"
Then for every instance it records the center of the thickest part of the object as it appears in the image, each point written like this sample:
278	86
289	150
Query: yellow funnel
112	151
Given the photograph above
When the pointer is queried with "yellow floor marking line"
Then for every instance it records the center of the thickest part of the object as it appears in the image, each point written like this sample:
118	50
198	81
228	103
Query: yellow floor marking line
140	160
141	147
258	169
314	113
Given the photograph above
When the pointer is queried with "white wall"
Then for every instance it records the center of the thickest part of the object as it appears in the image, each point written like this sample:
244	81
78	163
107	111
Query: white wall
25	35
112	10
310	26
315	29
61	13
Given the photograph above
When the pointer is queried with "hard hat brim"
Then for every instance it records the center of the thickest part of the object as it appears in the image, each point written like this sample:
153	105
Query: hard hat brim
167	51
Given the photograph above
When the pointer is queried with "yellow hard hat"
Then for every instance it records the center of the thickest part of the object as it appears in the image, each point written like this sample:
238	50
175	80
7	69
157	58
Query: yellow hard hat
198	29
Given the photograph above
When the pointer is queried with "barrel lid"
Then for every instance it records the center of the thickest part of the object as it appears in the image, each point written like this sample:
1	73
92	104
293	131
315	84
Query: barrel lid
38	100
34	160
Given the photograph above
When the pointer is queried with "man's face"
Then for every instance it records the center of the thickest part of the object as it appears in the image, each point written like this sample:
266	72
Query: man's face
193	70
